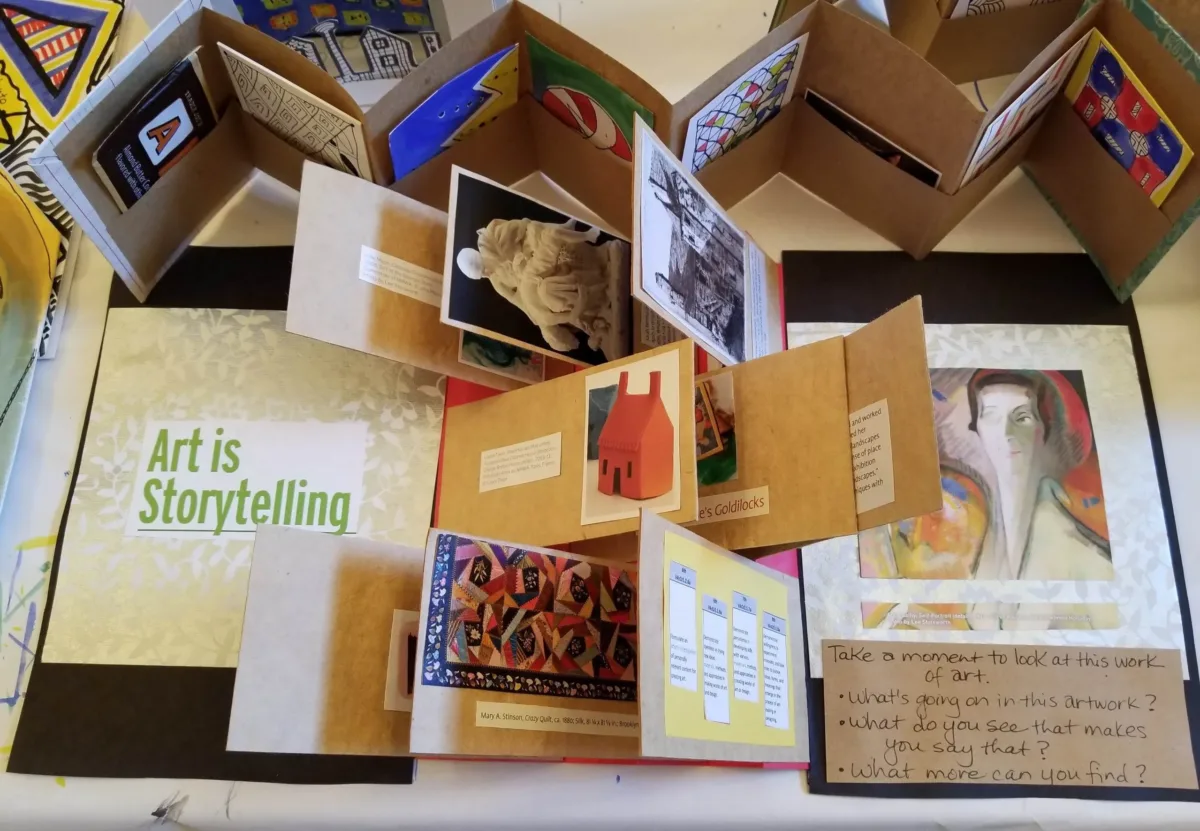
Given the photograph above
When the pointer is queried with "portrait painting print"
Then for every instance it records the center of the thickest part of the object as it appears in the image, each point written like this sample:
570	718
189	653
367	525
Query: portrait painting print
691	259
1021	492
523	273
632	440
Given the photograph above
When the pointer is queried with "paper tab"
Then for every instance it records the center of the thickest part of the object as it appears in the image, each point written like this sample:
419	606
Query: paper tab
654	331
716	660
401	665
555	719
400	276
735	505
776	694
745	648
756	311
871	448
681	615
521	463
1074	716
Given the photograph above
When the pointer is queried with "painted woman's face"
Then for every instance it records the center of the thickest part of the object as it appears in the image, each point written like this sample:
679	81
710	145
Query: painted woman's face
1010	428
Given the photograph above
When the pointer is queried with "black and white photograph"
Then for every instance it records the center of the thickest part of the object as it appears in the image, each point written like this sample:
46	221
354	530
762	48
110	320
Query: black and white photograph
692	258
526	274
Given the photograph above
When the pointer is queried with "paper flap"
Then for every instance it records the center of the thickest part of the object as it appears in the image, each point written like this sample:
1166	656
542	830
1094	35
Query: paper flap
566	503
340	216
1027	76
792	456
314	654
886	366
765	706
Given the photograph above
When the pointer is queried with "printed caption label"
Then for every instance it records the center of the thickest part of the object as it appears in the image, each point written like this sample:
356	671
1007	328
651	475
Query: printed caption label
745	648
716	659
400	276
736	505
681	601
521	463
555	719
871	450
775	672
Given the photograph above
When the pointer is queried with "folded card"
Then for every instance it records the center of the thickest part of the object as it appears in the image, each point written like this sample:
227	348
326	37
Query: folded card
818	441
576	457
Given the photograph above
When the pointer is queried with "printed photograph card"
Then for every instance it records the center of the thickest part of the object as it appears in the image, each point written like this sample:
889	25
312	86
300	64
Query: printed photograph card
799	470
694	267
576	457
367	275
525	652
327	659
521	272
724	681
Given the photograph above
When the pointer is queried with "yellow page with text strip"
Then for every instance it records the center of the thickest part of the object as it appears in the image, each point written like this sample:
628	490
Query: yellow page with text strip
704	579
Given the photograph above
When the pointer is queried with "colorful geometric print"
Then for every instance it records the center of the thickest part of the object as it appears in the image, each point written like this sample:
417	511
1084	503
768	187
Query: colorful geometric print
743	109
512	620
54	46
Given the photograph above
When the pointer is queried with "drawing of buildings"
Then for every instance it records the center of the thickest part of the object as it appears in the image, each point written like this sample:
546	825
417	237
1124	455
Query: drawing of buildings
386	55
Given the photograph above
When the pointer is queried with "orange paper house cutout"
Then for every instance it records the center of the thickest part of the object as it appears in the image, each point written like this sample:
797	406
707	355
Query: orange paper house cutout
637	444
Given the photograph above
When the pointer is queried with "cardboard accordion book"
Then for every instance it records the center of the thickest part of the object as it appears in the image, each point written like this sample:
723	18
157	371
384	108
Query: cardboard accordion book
684	652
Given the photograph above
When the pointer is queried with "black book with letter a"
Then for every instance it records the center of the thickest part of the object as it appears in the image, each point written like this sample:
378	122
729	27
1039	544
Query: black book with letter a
164	126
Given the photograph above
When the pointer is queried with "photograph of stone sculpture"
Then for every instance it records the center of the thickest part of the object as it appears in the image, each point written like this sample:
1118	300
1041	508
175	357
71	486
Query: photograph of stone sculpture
525	274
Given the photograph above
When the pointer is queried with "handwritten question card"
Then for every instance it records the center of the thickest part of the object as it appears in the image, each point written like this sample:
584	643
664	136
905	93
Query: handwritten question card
961	713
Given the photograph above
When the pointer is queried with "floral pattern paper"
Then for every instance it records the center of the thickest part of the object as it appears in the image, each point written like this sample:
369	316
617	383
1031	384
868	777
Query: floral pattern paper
179	602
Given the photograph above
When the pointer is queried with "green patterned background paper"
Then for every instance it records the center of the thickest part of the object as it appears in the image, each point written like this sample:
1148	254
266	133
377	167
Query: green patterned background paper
179	600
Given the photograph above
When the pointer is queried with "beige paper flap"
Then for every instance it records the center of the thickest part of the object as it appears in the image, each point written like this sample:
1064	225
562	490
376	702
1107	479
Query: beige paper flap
314	655
796	449
886	362
899	713
526	723
710	738
550	511
328	300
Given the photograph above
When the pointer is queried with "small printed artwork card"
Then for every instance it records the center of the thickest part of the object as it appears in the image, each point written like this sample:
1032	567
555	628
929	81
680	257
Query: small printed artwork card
525	652
693	267
872	140
1124	117
971	8
602	112
457	109
575	457
164	126
501	358
523	273
311	125
1006	127
744	106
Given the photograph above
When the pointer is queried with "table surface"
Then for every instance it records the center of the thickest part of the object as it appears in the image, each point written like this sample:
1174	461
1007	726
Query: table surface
673	44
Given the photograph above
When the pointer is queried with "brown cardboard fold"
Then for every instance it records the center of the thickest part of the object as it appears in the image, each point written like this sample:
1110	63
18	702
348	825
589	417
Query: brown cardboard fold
799	447
339	216
970	48
1114	220
886	361
548	511
523	140
887	86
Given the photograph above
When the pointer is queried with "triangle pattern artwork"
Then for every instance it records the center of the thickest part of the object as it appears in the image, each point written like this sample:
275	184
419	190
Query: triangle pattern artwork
52	47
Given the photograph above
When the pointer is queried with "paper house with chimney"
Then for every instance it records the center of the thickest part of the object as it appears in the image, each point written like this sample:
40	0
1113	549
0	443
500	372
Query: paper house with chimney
637	444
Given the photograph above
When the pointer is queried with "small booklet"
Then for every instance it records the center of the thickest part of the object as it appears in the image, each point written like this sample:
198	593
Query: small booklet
161	129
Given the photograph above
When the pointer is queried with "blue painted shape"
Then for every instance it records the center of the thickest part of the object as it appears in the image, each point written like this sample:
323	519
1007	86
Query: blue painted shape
1166	151
1115	138
1106	75
938	395
426	131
